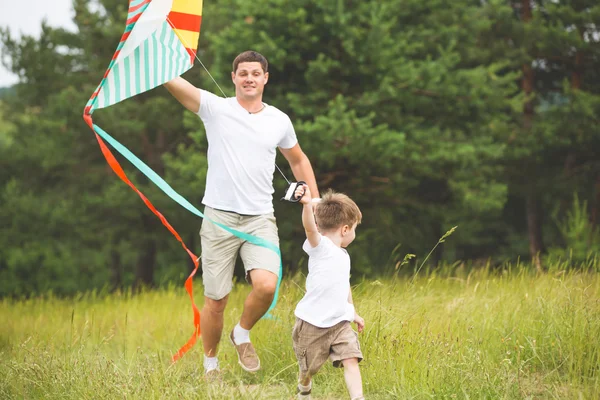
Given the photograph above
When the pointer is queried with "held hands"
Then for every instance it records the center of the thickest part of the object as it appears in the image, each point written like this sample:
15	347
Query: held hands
360	322
307	197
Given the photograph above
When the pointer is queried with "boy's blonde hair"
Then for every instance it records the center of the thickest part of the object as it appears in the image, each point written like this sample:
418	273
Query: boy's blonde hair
336	210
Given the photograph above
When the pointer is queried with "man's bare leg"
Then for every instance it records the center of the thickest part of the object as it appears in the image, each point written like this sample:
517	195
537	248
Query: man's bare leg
211	324
255	306
258	301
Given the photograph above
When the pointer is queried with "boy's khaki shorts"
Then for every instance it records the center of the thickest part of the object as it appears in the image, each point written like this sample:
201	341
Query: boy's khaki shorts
220	249
313	345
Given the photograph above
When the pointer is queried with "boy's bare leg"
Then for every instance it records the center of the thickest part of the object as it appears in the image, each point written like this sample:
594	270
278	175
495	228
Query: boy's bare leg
304	386
211	324
258	301
353	378
304	379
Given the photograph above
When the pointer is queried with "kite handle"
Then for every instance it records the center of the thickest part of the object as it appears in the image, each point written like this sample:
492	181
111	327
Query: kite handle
290	192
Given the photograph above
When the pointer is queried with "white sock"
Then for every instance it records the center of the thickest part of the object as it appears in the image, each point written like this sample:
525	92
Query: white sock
241	335
210	363
304	389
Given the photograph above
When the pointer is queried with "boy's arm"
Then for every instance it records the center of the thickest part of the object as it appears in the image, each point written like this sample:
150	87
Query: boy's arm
308	218
310	226
186	93
360	322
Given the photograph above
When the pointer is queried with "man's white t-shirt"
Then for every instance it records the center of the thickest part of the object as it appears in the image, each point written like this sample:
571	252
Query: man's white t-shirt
241	153
327	285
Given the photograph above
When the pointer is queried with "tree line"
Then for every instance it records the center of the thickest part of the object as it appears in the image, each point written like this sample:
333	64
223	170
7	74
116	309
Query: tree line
429	114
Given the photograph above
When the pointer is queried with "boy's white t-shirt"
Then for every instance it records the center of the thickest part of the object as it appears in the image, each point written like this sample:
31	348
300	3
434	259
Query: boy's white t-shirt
241	153
327	285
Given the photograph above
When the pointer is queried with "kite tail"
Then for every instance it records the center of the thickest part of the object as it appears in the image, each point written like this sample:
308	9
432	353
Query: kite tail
116	167
159	43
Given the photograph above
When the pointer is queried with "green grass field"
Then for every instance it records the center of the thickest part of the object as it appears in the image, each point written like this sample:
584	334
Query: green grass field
497	335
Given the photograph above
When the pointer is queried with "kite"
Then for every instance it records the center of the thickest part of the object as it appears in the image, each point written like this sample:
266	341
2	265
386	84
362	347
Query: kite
159	44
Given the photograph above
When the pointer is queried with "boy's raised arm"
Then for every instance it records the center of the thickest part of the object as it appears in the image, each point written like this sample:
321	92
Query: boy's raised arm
308	218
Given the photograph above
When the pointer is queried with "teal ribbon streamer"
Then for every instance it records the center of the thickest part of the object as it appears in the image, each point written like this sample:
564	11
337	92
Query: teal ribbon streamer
169	191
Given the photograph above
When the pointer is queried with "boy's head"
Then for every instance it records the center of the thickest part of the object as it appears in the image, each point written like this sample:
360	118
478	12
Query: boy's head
336	212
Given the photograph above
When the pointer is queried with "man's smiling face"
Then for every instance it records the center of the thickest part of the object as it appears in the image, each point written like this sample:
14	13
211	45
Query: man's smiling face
249	80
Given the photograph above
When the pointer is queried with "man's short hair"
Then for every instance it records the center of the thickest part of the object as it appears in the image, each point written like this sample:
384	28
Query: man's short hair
251	56
336	210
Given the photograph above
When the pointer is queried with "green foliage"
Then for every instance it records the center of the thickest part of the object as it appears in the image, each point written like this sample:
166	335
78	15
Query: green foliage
6	129
581	239
400	110
415	109
6	92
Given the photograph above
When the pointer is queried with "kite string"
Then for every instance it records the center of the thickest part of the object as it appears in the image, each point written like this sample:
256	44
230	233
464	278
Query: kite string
197	58
276	295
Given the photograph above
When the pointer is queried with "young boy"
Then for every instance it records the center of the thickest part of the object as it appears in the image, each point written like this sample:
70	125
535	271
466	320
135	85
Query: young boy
323	316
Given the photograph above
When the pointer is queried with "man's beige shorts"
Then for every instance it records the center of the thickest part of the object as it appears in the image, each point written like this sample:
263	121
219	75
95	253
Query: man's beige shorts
220	249
313	345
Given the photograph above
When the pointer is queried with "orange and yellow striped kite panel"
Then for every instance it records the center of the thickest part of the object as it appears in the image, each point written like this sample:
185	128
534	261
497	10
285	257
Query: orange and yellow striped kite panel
186	18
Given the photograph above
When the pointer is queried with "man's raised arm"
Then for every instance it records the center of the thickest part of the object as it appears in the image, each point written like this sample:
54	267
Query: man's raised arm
186	93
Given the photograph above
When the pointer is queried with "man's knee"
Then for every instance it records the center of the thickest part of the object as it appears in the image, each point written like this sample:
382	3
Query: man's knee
215	306
266	289
265	285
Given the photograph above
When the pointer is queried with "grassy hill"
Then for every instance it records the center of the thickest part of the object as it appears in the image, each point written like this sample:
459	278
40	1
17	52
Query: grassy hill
510	334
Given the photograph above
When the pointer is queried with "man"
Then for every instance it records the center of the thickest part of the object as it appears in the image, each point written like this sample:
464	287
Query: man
243	134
